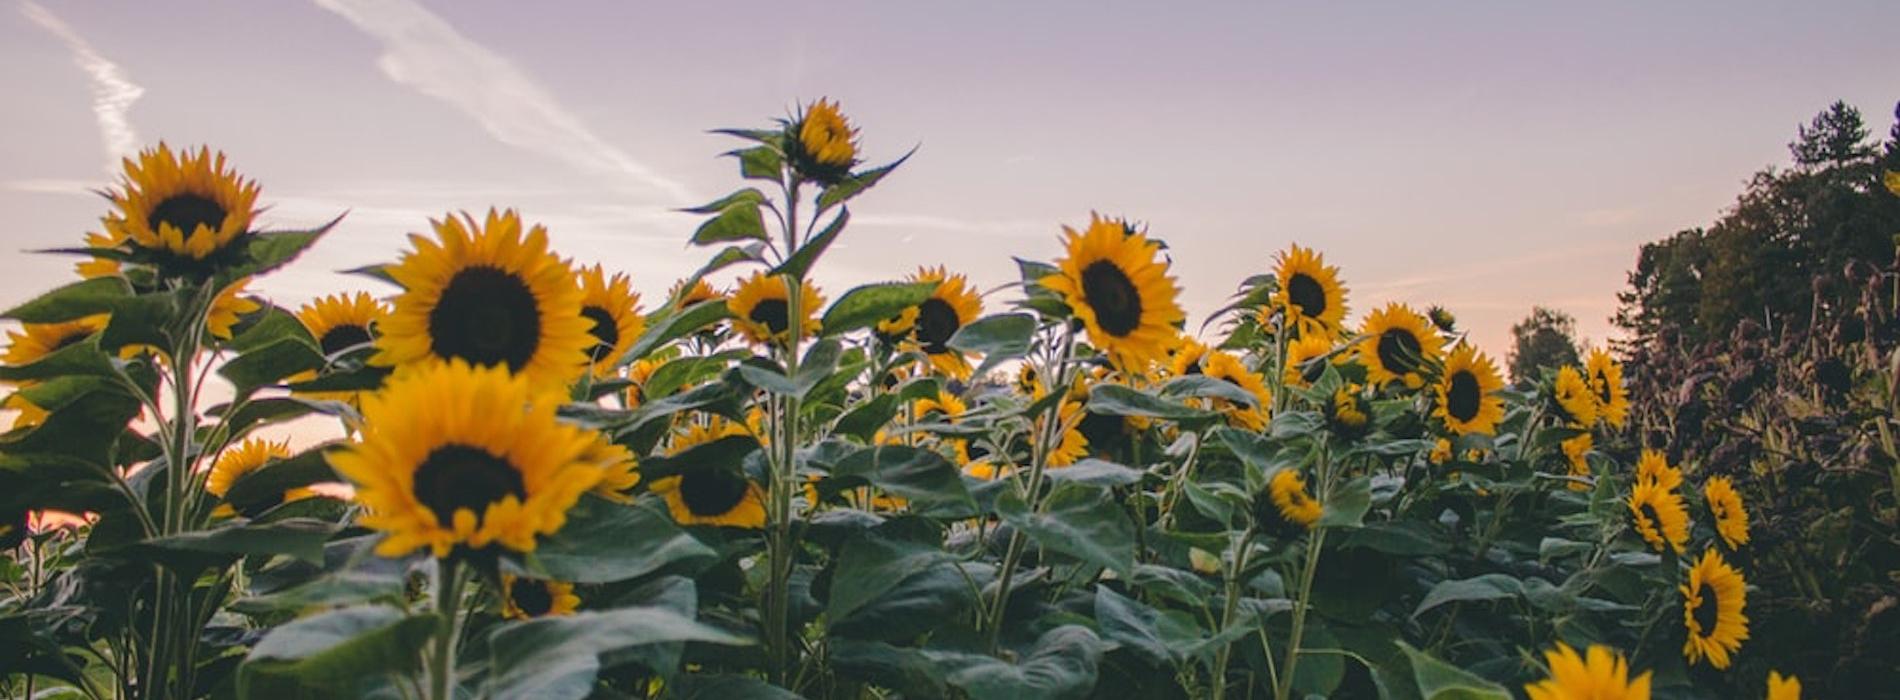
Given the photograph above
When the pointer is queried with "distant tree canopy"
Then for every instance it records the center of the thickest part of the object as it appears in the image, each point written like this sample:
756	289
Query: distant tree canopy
1545	339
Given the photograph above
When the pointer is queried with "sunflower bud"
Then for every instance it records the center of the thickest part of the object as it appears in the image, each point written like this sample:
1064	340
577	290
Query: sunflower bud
822	144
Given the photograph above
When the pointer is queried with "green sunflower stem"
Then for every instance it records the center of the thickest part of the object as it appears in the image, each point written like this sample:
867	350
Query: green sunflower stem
1048	437
1179	482
1303	602
784	466
448	609
1229	606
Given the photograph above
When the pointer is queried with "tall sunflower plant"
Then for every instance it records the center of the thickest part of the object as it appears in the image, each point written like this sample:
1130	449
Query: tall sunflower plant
756	488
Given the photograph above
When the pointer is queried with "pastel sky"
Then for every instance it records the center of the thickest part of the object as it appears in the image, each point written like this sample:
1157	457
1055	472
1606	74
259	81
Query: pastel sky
1483	156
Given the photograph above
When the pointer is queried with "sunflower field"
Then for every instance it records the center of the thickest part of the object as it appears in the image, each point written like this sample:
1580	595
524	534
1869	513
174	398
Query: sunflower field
543	486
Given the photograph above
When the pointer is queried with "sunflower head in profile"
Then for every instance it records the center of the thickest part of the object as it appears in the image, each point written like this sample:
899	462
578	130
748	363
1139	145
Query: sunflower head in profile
708	494
613	306
1399	345
32	343
1574	401
949	307
821	143
247	457
1653	466
1599	674
761	309
489	294
1467	393
1310	296
524	598
456	456
1787	687
1442	318
685	297
1659	516
1116	283
1725	503
185	209
1286	505
1577	456
1346	412
1605	376
1712	602
1304	363
1228	368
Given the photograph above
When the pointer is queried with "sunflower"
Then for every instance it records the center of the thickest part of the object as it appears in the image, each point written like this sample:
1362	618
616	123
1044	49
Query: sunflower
1029	382
190	207
1399	346
943	404
486	294
1291	503
762	312
452	455
1731	519
1660	516
1606	386
1712	602
1228	368
1111	278
1441	452
822	145
94	268
1653	467
34	341
1073	445
638	374
709	495
1784	687
1467	393
1577	455
1303	360
685	297
895	329
1187	358
342	321
247	457
1599	674
613	306
1346	412
526	598
975	461
1575	402
1442	318
619	471
952	305
1310	295
226	307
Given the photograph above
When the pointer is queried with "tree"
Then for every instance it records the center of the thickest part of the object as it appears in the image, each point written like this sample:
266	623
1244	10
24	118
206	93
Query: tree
1836	136
1546	338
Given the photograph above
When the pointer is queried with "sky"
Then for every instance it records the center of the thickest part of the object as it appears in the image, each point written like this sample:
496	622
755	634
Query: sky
1483	156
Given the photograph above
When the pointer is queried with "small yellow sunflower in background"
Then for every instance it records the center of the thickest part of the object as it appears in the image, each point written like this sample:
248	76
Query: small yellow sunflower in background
686	297
1029	382
1467	393
1660	516
1187	358
1577	455
638	374
247	457
619	471
1441	452
453	455
613	306
1725	503
1228	368
189	207
1442	318
1399	346
1653	466
952	305
1712	602
1347	412
1291	501
710	495
1073	446
1600	674
1310	294
1606	385
342	321
525	598
1303	360
226	307
1785	687
823	147
94	268
1575	401
1115	284
944	404
762	312
975	462
488	295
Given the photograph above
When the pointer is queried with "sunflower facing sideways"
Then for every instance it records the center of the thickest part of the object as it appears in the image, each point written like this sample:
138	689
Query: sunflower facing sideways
822	144
1303	360
1399	346
1712	602
1731	519
1575	402
458	456
32	343
1113	280
762	312
1292	505
949	307
1467	393
486	294
1310	295
243	459
711	494
1660	517
613	306
1228	368
1605	375
524	598
1577	455
1599	674
1653	466
185	208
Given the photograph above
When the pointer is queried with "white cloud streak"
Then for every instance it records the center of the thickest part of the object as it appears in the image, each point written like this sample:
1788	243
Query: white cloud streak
112	92
422	51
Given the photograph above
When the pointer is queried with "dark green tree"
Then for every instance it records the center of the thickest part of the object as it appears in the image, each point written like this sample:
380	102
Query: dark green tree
1545	339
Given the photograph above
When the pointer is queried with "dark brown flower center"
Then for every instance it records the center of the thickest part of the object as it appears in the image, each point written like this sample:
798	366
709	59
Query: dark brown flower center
70	339
712	492
1603	387
1463	397
1399	351
343	337
455	477
1705	611
606	332
774	314
936	322
531	597
1113	297
1306	293
187	212
486	316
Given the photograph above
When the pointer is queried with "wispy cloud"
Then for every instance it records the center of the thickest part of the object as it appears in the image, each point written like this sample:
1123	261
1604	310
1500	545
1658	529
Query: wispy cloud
422	51
112	92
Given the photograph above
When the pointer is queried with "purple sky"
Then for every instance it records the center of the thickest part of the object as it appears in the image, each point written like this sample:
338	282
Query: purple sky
1482	156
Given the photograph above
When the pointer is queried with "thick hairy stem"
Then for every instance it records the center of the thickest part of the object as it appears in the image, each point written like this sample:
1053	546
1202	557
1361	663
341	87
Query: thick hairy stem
448	610
784	464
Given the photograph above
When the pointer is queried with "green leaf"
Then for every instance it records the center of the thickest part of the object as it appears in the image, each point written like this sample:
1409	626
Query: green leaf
759	163
1401	538
268	483
865	419
268	326
1005	335
76	300
1477	588
1118	400
687	371
375	272
301	538
266	365
917	474
858	183
1094	472
921	603
1084	522
340	653
269	250
559	657
1347	506
864	306
1063	664
1203	386
604	542
697	686
871	564
738	221
1438	680
676	326
1133	625
750	195
801	260
78	359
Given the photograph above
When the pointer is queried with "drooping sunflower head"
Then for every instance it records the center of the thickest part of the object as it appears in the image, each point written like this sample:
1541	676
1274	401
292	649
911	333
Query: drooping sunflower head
247	457
1399	345
458	456
1659	516
525	598
1228	368
822	143
1115	281
1605	376
1577	455
185	209
342	321
1442	318
1303	360
1712	603
1467	393
1573	399
1346	412
761	309
1599	674
1725	503
489	294
1310	295
1789	687
1293	507
613	306
1653	466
